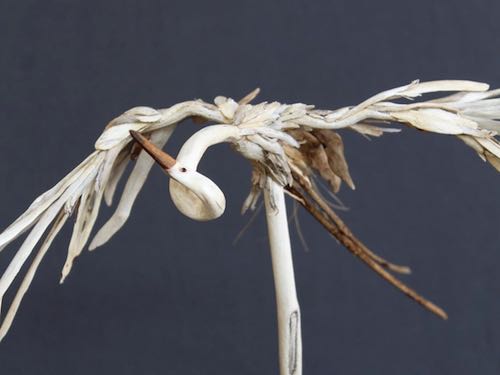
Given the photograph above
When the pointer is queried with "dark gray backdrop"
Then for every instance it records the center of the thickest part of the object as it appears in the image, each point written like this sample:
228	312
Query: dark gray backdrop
172	296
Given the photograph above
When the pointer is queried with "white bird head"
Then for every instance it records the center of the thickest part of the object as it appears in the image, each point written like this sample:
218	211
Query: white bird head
194	194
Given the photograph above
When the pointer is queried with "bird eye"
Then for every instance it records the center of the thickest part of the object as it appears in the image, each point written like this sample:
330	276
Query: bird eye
183	169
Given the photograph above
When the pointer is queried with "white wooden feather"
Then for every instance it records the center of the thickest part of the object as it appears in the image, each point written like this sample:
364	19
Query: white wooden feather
132	188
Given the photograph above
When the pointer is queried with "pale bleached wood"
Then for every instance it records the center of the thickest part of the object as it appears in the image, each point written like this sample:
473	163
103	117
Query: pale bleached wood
131	191
30	274
287	305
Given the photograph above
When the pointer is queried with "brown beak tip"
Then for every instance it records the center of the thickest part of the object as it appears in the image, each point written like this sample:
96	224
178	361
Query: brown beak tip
162	158
135	135
139	138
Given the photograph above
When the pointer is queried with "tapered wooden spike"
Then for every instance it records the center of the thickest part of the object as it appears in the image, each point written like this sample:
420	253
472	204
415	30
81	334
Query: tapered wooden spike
162	158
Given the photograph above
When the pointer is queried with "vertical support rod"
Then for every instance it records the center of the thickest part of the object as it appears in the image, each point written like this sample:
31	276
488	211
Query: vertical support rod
289	332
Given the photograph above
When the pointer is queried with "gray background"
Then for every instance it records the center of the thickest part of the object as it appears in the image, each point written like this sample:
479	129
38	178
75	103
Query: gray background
172	296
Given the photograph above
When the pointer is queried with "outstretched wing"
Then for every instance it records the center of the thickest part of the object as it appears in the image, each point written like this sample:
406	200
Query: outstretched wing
472	114
83	189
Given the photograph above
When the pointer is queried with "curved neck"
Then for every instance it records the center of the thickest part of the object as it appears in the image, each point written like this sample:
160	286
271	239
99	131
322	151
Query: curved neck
194	148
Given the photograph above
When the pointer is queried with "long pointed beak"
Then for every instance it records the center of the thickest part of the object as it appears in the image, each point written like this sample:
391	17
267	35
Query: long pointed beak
161	157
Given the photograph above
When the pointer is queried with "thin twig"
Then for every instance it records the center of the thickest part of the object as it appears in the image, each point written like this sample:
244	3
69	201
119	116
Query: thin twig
343	228
248	224
343	234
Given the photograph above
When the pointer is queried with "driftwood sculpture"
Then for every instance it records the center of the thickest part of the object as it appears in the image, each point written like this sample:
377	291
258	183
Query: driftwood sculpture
289	147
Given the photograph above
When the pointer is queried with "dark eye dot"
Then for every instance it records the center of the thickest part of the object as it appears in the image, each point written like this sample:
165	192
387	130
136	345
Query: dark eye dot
183	169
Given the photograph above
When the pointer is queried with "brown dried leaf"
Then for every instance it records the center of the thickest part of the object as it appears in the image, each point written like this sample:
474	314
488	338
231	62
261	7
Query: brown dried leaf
334	148
315	156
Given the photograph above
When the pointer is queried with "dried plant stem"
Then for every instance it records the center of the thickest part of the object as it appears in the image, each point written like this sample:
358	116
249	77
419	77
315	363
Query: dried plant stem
343	228
288	311
333	224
